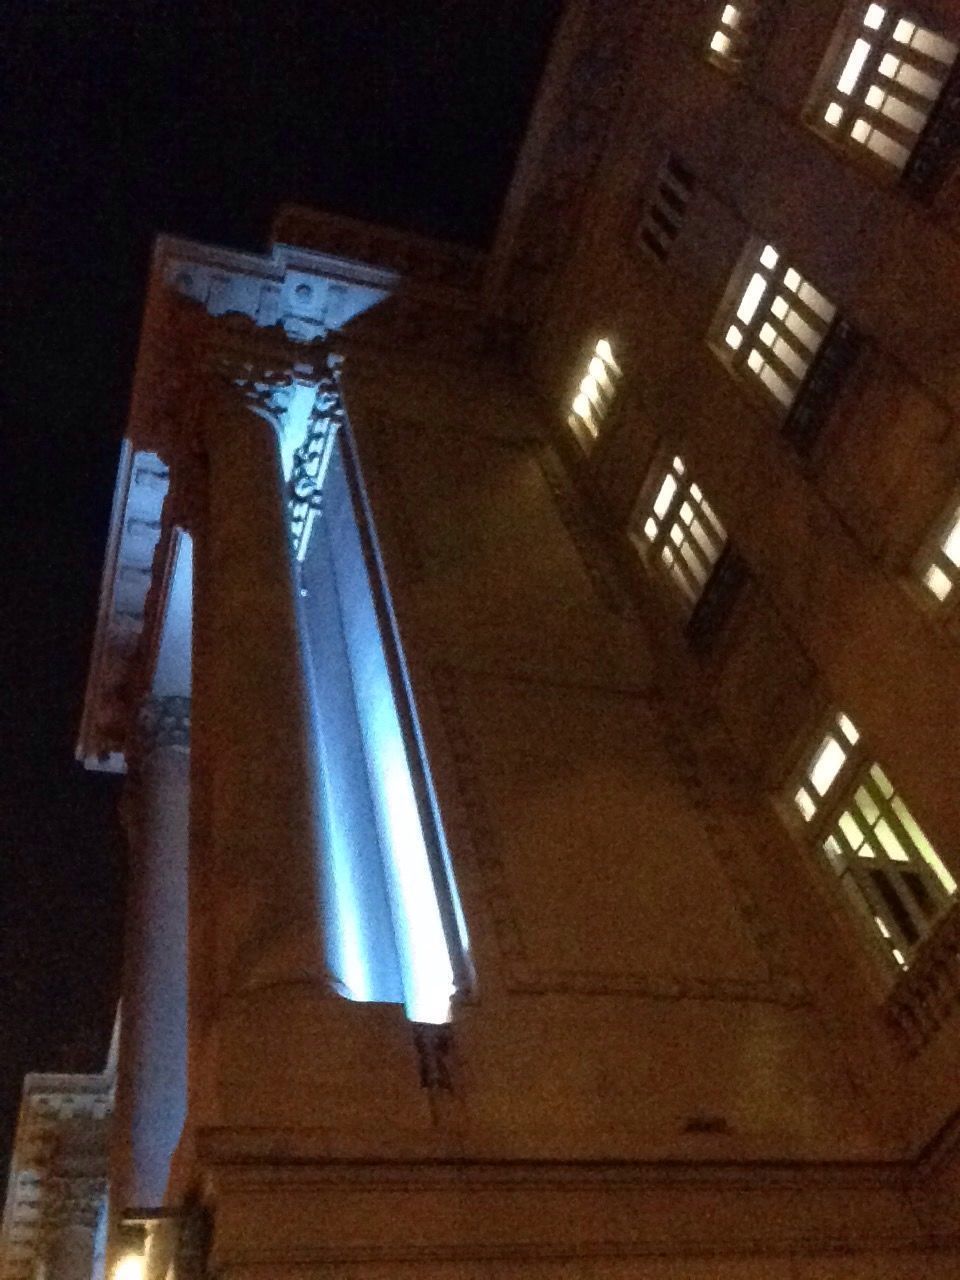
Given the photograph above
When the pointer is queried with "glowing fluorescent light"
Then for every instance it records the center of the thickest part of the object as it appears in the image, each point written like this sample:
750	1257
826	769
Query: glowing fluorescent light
874	16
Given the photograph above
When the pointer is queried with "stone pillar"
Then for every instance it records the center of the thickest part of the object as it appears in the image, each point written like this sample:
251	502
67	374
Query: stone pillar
151	1074
280	1046
264	814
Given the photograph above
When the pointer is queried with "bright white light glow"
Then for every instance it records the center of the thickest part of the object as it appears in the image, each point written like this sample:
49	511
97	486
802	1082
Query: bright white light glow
848	729
937	582
605	352
791	279
581	406
720	43
827	763
888	65
733	337
854	65
874	16
751	297
129	1266
590	389
903	31
730	16
951	543
833	113
805	804
664	497
769	258
390	897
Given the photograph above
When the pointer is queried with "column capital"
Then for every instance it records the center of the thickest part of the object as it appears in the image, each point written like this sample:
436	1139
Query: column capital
310	458
163	723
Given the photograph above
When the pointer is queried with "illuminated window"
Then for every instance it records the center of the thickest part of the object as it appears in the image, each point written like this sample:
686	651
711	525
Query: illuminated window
665	211
890	874
775	324
595	393
676	530
731	36
883	84
938	565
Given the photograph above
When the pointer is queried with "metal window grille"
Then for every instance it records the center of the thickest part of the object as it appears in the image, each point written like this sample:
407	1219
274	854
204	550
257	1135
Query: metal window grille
890	874
664	213
675	529
881	89
775	326
595	393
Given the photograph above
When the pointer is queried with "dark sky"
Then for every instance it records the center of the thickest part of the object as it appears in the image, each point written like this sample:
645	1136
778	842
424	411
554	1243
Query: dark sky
118	122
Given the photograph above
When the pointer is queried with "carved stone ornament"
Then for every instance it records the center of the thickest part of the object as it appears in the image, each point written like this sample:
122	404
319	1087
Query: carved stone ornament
163	723
311	458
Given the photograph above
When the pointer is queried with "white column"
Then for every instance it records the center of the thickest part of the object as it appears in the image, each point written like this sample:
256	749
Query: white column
276	1045
151	1071
263	811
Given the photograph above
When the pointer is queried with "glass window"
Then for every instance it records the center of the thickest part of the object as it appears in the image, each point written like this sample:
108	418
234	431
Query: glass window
938	564
676	530
890	874
775	324
596	390
879	90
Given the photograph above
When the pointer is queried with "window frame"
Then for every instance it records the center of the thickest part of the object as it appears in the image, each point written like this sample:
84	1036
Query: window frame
853	107
783	283
930	554
740	50
586	421
665	208
884	892
651	548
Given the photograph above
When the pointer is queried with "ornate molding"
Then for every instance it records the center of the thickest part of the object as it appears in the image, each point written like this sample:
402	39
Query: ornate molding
310	459
416	258
162	724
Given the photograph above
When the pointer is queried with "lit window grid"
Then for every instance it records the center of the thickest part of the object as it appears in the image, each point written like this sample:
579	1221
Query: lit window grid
938	566
595	392
887	867
676	529
776	325
884	83
731	36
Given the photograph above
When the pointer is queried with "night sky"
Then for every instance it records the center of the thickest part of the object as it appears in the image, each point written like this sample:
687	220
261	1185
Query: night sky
120	122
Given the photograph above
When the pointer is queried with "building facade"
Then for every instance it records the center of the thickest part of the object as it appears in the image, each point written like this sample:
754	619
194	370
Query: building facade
537	678
54	1220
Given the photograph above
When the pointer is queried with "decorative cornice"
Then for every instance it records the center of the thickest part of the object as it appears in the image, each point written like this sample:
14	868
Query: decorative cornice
417	259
